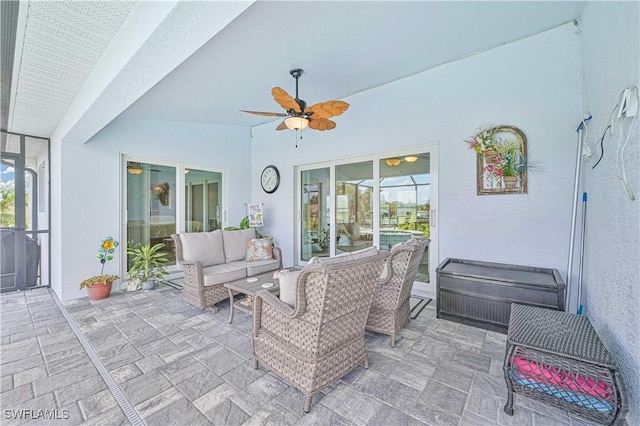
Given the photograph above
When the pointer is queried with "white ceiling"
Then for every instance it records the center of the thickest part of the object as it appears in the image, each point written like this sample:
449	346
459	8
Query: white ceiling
344	48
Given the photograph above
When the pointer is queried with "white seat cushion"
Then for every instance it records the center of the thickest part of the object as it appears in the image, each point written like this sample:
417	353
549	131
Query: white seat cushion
258	266
223	273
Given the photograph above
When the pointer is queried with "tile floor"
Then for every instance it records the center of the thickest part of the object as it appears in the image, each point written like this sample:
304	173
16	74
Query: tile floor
180	365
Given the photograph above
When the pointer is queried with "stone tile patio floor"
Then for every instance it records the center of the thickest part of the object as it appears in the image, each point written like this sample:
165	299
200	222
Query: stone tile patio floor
180	365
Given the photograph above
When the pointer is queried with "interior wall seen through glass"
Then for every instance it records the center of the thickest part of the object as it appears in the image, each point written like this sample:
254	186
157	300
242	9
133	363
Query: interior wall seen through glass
354	206
315	204
203	200
151	206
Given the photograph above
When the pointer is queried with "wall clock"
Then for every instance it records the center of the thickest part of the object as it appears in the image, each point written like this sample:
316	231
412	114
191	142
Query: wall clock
270	179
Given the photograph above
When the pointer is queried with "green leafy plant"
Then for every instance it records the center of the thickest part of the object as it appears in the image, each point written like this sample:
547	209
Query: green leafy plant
511	160
244	224
105	254
324	238
98	279
148	263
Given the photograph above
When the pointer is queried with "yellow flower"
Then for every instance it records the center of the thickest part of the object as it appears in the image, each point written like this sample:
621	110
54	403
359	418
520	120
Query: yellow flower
108	245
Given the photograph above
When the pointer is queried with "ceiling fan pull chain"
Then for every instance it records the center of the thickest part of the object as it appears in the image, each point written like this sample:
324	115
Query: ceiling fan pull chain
297	137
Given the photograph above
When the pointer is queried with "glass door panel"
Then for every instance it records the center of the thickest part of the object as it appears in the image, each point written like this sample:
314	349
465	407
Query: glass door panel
151	205
315	205
203	195
405	199
354	206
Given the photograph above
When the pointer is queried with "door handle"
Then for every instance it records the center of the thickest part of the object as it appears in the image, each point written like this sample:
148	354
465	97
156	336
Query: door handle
432	218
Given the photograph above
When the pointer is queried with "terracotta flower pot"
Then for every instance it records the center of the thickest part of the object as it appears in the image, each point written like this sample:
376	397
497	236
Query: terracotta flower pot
99	291
510	182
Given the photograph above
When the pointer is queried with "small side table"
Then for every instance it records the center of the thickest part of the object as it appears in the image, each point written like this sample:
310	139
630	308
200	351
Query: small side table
558	358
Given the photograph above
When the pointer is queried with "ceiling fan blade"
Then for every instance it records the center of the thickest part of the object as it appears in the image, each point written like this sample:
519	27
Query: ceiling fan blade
321	124
282	126
327	109
284	99
267	114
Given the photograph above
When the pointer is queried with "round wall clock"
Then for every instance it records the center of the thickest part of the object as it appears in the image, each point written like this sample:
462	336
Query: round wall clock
270	179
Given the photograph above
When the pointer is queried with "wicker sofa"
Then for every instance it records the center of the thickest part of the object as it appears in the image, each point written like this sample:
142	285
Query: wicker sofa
390	308
211	259
322	338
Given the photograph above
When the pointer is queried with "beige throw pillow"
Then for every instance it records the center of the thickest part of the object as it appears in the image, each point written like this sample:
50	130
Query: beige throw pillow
288	287
235	243
204	247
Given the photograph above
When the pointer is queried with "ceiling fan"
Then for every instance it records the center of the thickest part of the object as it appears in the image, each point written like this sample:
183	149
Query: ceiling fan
298	115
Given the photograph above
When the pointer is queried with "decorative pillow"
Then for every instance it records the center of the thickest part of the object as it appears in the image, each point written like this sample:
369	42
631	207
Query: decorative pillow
288	286
259	249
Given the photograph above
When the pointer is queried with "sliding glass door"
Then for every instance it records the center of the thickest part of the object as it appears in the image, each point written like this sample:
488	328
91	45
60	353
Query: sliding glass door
381	201
203	190
163	199
151	205
405	203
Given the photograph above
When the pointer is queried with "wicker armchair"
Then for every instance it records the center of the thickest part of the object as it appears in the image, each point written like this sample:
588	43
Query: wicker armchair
322	338
390	308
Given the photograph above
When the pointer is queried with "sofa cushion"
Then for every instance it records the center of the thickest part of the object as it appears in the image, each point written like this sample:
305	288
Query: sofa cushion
259	249
257	266
346	257
204	247
235	243
288	286
223	273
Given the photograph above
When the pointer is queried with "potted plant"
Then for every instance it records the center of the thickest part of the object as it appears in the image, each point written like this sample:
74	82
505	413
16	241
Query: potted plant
99	286
148	264
244	224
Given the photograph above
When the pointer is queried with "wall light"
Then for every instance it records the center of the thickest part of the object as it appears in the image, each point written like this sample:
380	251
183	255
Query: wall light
411	159
392	161
296	123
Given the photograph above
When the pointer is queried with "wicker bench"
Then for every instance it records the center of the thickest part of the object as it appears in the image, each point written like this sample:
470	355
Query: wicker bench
557	357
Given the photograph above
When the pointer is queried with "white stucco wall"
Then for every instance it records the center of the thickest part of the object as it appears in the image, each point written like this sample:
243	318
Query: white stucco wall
531	84
90	185
611	57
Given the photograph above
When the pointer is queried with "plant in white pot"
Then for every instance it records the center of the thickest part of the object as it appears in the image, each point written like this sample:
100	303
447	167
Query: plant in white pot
148	264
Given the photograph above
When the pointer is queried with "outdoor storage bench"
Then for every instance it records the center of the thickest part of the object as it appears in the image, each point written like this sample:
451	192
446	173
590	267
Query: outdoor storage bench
481	293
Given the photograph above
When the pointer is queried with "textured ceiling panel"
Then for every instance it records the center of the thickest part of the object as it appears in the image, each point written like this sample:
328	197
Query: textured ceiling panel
62	43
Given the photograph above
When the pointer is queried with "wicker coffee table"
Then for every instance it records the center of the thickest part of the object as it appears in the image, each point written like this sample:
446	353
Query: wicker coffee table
249	287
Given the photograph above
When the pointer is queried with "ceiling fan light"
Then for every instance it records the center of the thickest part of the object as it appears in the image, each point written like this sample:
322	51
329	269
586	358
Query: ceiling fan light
296	123
411	159
392	161
134	171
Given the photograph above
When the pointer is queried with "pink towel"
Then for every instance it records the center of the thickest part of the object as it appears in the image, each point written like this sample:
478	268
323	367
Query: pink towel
540	372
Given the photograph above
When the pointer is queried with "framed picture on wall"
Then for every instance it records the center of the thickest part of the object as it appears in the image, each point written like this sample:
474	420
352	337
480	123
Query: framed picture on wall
502	162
